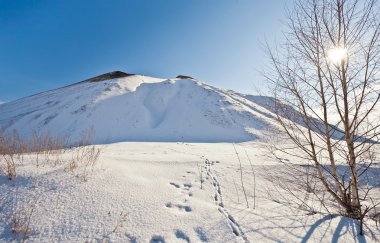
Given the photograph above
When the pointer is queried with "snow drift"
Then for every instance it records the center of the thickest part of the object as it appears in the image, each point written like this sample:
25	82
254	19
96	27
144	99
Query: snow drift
125	107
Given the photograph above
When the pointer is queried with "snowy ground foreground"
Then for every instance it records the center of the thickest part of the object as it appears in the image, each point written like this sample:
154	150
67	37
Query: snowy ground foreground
145	192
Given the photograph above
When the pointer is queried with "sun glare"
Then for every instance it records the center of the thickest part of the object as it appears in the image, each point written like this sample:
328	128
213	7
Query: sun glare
337	55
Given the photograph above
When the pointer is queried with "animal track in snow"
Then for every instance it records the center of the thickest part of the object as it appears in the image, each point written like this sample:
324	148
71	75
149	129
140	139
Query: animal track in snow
157	239
187	186
131	238
174	184
180	207
201	234
236	228
181	235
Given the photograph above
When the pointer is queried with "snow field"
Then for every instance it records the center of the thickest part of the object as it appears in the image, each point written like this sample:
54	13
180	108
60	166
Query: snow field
151	192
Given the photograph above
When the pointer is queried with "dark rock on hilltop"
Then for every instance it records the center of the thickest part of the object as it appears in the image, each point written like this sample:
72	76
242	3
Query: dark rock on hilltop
184	77
108	76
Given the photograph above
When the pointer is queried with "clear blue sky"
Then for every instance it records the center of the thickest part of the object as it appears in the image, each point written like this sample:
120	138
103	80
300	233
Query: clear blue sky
47	44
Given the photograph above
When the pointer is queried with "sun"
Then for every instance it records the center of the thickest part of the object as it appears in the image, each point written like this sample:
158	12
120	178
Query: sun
337	55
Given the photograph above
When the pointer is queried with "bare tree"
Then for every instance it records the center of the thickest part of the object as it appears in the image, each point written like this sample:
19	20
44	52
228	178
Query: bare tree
325	78
9	155
241	176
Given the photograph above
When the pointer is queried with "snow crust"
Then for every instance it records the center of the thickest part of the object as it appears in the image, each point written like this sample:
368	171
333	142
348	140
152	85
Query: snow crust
151	192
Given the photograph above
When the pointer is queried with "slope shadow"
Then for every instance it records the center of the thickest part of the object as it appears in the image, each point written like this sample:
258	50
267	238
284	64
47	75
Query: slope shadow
288	112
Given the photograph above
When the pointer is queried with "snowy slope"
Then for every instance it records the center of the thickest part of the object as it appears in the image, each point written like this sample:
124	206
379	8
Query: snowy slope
139	108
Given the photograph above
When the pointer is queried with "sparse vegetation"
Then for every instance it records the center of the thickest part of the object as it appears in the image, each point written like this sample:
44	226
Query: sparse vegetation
8	155
44	149
21	222
83	160
40	151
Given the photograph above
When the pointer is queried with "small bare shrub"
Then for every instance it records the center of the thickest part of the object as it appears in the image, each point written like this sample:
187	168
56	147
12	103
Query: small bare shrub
8	156
10	165
46	148
84	157
200	171
20	222
83	161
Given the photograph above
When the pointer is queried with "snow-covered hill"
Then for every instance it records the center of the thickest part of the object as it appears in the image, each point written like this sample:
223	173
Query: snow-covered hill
155	191
122	107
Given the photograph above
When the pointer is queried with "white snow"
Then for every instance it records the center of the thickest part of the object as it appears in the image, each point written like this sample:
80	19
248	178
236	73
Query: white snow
161	135
139	108
151	191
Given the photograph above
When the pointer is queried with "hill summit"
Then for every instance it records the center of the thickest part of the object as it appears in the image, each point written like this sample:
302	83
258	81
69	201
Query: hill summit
119	106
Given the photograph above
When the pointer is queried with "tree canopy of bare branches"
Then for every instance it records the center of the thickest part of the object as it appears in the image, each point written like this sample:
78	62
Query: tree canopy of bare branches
327	70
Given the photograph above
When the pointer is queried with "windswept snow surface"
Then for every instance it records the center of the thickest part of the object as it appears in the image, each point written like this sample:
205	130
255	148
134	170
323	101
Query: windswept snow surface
151	192
139	108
